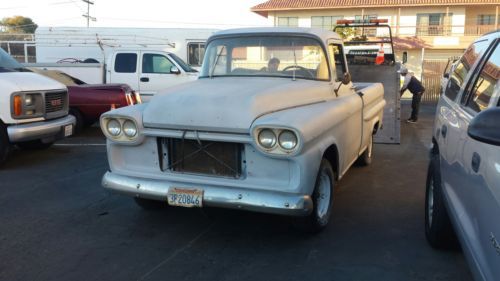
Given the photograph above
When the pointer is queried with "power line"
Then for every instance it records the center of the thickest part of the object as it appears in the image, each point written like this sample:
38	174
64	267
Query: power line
87	15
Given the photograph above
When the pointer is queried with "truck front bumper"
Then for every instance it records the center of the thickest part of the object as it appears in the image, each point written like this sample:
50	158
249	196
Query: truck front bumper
233	197
46	131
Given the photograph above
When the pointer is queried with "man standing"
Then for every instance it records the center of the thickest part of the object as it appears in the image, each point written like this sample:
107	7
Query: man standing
416	88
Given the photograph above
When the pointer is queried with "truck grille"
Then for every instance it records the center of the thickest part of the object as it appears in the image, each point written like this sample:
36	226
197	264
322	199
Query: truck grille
56	104
222	159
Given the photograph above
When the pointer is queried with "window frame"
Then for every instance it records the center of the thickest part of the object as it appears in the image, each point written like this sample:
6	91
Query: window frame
333	65
200	45
467	93
159	55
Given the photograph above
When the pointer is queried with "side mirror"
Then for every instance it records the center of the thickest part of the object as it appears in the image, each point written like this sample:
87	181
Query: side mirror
485	127
405	57
175	70
346	79
446	75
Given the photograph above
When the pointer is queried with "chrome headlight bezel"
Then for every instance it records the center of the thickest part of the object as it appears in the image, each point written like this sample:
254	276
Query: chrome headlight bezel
26	105
121	136
277	148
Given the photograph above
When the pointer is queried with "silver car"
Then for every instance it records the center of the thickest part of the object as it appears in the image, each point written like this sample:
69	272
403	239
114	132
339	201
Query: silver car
463	181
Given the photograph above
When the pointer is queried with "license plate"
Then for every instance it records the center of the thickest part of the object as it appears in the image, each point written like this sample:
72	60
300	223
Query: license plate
68	130
185	197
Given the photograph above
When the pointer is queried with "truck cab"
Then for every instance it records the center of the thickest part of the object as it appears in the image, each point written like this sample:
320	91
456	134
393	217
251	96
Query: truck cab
148	72
33	108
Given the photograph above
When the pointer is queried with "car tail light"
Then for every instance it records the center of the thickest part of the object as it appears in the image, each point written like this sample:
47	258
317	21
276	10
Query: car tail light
129	99
18	106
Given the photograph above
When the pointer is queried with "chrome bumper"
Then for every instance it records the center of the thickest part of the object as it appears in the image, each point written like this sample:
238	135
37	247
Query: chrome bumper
215	196
51	129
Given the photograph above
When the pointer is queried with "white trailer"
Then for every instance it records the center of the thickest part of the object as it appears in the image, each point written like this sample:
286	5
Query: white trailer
95	44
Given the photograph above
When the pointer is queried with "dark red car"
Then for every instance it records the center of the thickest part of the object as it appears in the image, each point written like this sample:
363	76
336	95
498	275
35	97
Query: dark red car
88	101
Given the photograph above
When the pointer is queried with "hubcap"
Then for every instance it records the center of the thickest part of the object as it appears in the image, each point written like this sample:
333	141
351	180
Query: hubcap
323	197
430	202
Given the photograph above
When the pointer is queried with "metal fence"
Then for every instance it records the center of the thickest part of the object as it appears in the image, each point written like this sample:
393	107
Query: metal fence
431	79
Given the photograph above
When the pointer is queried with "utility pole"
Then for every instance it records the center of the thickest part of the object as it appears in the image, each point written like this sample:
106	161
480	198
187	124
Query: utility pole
87	15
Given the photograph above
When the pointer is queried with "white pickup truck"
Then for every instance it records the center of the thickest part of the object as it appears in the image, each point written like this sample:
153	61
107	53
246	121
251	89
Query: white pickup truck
33	108
271	125
145	71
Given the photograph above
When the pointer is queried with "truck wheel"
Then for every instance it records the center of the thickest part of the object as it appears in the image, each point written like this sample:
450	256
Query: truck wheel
80	122
34	145
322	198
4	143
438	229
365	159
148	204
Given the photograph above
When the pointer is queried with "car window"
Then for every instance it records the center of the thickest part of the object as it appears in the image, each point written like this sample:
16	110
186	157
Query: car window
487	81
459	74
338	56
126	63
156	63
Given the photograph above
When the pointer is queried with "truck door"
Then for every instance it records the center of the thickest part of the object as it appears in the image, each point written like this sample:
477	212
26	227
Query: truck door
159	72
478	169
353	124
124	69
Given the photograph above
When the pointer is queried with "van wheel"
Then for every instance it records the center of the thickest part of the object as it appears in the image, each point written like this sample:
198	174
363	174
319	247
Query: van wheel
365	159
4	144
80	122
34	145
438	229
148	204
322	198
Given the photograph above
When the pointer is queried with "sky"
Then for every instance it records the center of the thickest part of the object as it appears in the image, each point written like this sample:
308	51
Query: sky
139	13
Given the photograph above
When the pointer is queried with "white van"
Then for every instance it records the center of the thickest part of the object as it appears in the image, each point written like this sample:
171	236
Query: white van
33	108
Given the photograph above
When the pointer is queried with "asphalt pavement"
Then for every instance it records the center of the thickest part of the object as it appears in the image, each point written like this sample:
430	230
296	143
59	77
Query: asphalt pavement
58	223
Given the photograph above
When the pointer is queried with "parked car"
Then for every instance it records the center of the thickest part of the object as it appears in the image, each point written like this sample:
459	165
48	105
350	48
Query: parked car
463	181
146	71
245	137
88	102
33	108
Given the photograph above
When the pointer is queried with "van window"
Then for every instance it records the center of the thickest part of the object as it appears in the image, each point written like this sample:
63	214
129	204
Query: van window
459	74
156	63
126	63
485	84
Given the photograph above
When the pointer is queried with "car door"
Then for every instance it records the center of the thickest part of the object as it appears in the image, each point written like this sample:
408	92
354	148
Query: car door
450	130
479	170
158	72
125	69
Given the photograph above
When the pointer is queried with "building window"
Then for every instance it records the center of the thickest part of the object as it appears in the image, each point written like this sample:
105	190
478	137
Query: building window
367	31
327	23
196	51
288	21
433	24
485	19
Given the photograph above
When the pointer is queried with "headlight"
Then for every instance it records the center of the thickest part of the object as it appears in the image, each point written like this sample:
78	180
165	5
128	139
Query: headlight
287	140
114	127
129	128
267	138
28	100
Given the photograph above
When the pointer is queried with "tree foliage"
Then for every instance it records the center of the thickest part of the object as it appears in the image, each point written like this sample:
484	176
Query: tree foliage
19	24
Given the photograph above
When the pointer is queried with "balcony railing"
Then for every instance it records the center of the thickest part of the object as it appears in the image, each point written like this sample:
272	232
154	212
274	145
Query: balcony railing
442	30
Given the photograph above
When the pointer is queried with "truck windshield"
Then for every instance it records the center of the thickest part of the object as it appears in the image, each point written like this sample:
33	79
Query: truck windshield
267	56
7	63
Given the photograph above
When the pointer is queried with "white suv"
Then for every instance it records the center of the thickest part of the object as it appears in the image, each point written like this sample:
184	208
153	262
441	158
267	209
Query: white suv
463	181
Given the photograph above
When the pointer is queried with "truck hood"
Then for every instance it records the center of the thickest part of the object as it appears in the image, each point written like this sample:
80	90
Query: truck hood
27	81
229	104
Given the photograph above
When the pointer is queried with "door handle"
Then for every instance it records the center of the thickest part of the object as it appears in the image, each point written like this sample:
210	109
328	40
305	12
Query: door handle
144	79
444	130
476	162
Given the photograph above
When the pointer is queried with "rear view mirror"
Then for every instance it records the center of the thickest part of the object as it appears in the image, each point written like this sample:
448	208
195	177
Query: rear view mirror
485	127
405	57
175	70
346	79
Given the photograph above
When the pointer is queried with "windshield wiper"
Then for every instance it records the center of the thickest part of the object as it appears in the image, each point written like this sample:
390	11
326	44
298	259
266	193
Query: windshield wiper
215	62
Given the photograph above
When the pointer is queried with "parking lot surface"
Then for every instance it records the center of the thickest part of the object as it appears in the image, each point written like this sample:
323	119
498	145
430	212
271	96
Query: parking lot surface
58	223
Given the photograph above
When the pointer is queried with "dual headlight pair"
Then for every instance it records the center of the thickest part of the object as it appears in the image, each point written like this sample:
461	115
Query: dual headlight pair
121	128
277	140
